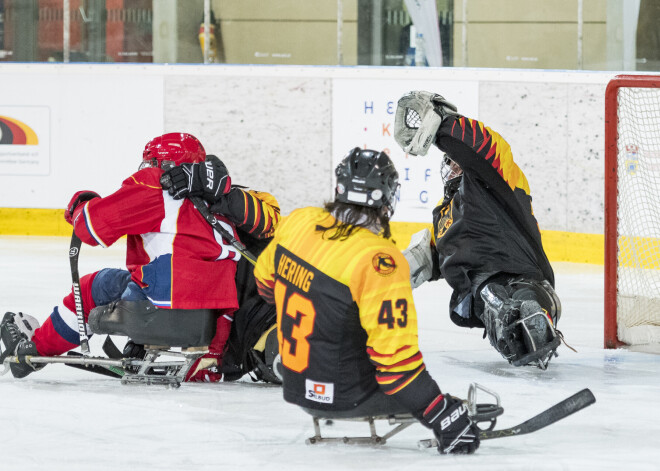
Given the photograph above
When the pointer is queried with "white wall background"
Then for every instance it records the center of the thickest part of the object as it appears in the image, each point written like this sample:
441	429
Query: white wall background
280	129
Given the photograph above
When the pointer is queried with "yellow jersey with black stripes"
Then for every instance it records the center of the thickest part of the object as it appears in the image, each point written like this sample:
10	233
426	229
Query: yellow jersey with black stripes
255	213
346	319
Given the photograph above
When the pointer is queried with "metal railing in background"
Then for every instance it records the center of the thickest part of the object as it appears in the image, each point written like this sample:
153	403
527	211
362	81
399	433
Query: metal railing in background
573	35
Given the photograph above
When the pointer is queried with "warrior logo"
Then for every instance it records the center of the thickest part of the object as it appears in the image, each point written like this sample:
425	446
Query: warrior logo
383	263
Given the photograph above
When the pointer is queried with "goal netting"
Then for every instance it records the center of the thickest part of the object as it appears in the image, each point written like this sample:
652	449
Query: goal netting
632	211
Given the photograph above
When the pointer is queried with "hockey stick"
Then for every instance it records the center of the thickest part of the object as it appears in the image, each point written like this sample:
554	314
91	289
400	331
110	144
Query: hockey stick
110	349
74	252
213	221
112	371
561	410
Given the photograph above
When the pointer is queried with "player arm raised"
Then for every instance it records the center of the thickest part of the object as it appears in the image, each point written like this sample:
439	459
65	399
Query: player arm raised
424	118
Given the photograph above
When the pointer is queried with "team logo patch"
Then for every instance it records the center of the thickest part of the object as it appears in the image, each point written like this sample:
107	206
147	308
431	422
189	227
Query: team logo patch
445	221
383	263
319	392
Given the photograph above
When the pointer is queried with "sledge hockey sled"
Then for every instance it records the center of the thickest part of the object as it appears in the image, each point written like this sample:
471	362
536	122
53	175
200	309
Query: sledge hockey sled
400	423
479	412
173	340
483	414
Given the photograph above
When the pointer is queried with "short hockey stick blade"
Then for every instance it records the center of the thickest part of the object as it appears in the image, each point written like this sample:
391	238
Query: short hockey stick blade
561	410
110	349
88	364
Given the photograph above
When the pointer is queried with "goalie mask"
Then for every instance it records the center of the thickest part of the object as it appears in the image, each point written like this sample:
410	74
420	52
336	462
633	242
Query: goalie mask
367	178
450	170
172	149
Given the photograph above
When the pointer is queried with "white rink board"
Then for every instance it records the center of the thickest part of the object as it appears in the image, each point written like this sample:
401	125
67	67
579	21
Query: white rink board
94	132
281	129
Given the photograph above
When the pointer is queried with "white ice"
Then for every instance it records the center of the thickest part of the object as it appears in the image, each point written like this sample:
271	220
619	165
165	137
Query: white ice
65	419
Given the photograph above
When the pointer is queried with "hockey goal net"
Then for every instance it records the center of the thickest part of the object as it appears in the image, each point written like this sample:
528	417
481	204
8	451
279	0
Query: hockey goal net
632	211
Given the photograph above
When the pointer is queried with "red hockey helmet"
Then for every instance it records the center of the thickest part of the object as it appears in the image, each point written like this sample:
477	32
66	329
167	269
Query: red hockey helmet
172	149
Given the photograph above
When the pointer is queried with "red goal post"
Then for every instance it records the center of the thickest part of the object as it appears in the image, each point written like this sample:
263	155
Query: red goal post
632	211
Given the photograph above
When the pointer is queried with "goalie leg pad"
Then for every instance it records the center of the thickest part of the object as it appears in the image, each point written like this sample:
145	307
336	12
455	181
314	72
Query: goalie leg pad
542	292
521	330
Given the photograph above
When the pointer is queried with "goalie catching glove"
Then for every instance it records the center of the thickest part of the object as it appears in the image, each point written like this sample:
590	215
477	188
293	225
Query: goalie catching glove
209	179
417	119
452	426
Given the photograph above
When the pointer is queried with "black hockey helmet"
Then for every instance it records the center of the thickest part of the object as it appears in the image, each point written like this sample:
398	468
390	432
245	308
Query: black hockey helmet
367	177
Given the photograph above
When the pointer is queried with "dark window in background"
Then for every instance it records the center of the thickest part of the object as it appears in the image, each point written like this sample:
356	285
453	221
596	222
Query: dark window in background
99	31
648	36
384	33
2	28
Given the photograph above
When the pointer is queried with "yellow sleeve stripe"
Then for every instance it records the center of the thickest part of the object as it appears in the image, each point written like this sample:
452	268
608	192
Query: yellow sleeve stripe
144	184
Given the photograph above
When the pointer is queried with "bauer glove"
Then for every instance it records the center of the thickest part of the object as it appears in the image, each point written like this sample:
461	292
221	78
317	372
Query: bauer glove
209	179
452	426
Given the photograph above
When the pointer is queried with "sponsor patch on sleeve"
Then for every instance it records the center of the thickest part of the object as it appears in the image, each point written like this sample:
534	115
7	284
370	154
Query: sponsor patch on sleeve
319	392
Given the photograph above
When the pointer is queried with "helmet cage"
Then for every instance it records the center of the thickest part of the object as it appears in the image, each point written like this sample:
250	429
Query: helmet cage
449	169
155	163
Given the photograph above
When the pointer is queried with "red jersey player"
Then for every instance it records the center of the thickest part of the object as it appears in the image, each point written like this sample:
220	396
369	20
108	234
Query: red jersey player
174	258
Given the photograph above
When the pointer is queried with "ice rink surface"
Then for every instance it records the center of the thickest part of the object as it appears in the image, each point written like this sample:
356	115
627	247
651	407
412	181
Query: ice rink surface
65	419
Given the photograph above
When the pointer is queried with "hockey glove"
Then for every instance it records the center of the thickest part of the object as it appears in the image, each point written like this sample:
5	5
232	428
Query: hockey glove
207	369
417	119
76	200
209	179
452	426
420	258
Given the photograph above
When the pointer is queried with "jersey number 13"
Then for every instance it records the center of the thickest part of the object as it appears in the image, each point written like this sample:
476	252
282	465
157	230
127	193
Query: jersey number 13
294	304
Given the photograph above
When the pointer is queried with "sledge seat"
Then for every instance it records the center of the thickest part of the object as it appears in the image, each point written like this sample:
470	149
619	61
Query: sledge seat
146	324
